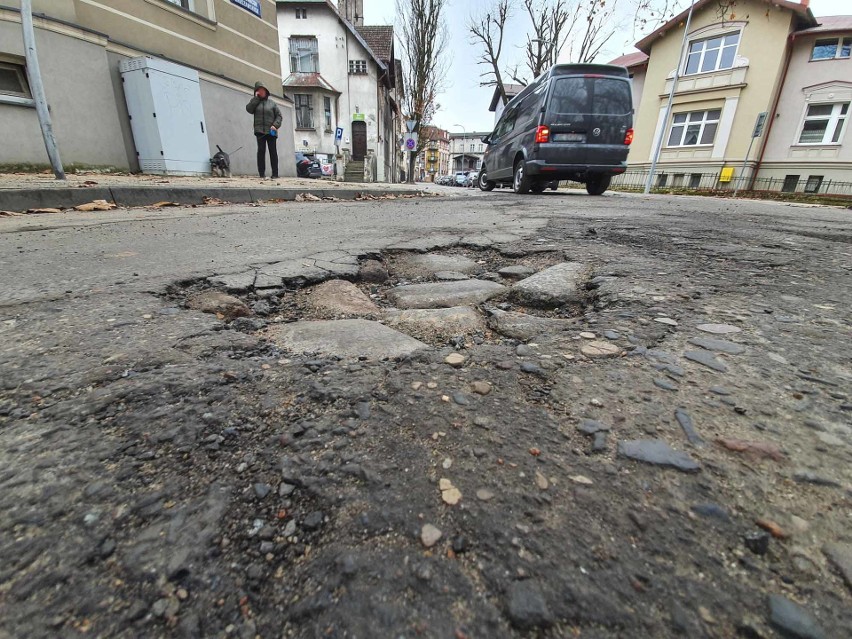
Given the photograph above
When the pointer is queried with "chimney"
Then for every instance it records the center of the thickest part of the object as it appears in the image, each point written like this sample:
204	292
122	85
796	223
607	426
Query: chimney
352	11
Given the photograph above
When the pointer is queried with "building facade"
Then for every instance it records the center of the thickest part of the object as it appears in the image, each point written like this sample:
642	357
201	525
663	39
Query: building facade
337	81
434	160
230	44
467	151
770	57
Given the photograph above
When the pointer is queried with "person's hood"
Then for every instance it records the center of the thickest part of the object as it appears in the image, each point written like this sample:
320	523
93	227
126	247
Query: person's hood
261	85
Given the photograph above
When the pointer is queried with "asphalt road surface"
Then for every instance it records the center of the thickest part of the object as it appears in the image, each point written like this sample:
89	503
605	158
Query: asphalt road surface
651	437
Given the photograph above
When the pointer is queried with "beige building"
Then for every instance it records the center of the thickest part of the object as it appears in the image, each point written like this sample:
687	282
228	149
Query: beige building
756	58
231	44
434	160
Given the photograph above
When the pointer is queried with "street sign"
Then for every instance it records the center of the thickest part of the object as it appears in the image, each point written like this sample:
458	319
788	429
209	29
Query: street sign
338	135
409	142
758	125
410	124
726	174
252	6
358	117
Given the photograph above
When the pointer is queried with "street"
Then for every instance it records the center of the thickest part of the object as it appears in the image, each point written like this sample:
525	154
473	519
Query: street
636	420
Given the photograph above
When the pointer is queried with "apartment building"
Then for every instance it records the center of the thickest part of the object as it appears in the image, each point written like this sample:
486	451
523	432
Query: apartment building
767	59
467	150
227	45
343	79
434	160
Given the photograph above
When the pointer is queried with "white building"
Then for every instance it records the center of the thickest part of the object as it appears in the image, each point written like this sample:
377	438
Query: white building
467	150
341	74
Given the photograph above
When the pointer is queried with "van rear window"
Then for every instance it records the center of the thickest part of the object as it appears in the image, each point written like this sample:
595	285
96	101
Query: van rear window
604	96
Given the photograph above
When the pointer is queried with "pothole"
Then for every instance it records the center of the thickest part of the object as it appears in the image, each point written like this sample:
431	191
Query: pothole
390	304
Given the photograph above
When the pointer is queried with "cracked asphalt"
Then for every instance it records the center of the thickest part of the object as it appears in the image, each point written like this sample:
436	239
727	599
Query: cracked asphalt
171	473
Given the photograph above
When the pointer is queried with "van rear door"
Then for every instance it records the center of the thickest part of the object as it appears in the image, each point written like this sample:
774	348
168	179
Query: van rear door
588	116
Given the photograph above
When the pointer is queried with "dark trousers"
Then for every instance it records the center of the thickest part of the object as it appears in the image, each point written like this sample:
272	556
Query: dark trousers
264	142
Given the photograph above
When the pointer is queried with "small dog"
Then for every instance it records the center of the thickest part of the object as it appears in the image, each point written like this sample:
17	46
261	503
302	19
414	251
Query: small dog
220	163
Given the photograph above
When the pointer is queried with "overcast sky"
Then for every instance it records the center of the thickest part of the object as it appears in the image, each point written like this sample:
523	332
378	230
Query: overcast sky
464	102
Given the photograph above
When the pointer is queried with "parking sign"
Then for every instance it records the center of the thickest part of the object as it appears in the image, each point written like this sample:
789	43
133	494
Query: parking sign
338	135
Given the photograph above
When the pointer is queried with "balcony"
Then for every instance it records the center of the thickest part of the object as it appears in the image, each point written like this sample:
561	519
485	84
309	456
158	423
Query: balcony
713	81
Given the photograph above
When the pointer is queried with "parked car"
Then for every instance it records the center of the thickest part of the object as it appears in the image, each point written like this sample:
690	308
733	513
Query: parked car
472	179
307	166
460	179
575	122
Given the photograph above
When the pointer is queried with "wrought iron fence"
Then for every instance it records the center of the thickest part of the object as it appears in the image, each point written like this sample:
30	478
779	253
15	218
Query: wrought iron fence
685	182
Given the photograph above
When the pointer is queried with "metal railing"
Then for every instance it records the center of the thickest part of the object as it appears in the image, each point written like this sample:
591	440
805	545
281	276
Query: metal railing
710	182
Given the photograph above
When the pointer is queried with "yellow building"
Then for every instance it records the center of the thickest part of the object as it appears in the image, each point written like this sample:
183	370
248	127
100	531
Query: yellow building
733	69
230	44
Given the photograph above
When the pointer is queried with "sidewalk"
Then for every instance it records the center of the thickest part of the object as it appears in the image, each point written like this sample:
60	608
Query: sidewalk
20	192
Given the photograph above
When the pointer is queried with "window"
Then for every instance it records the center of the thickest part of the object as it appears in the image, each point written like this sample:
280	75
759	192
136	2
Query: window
832	48
697	128
677	180
357	67
182	3
813	183
824	123
790	183
326	102
304	111
712	54
695	181
304	57
472	148
13	80
301	14
662	179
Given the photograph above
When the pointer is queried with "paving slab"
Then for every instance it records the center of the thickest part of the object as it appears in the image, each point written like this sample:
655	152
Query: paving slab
554	286
444	294
428	264
523	326
340	297
349	338
457	320
301	271
517	272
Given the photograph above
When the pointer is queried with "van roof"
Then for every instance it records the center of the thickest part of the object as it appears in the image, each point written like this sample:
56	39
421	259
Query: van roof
571	69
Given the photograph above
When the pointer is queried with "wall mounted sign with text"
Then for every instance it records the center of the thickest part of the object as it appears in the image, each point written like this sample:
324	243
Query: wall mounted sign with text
252	6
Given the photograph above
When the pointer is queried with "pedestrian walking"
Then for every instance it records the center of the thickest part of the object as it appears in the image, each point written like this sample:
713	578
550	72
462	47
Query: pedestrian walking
267	120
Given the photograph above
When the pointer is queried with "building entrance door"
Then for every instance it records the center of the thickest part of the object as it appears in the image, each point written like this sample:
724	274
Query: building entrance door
359	140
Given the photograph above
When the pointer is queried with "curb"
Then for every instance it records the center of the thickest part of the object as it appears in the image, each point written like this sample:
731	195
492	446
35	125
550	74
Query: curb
135	196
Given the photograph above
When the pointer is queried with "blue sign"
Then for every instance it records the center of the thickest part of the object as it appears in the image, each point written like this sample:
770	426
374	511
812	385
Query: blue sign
249	5
338	135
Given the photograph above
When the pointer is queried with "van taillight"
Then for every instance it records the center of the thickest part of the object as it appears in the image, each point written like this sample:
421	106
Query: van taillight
628	137
542	134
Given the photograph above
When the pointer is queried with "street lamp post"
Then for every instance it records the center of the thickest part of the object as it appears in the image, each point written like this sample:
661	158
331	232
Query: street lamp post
464	141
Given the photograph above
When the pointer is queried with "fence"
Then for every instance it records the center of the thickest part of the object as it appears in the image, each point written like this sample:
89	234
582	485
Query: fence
792	184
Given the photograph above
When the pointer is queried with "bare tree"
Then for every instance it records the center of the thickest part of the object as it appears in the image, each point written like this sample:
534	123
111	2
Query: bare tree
487	31
567	30
423	45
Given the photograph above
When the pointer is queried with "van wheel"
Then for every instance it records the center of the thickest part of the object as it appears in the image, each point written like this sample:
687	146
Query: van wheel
597	184
484	183
520	183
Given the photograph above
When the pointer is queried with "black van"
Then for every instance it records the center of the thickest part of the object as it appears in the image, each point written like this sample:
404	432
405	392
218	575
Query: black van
573	123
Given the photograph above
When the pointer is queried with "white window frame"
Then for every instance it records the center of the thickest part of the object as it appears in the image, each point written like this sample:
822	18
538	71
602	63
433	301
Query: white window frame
297	46
831	120
703	122
301	13
183	4
840	41
703	52
21	71
357	67
297	106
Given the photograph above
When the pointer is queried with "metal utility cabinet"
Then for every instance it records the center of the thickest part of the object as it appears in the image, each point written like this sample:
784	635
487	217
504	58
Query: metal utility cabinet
166	117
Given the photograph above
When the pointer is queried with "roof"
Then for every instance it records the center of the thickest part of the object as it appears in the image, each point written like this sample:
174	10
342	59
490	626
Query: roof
829	24
801	10
628	60
345	24
511	91
380	39
308	81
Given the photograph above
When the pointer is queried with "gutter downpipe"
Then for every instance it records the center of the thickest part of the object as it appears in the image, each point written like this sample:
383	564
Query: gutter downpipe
790	43
658	145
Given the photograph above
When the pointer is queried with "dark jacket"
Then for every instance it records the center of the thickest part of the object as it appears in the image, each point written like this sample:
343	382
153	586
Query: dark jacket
266	112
